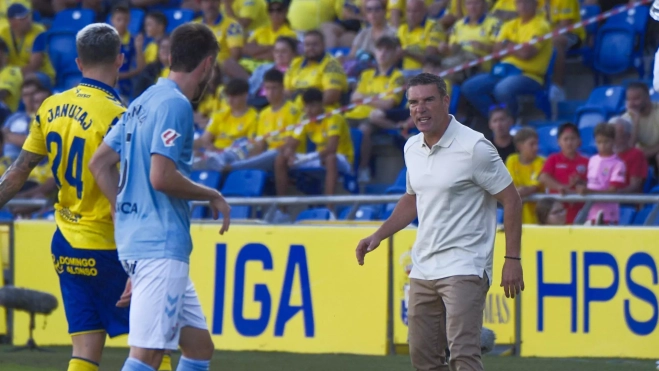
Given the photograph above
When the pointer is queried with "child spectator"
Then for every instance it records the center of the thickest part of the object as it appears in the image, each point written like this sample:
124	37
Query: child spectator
634	159
155	24
606	174
525	167
565	170
131	47
500	123
550	212
155	70
235	122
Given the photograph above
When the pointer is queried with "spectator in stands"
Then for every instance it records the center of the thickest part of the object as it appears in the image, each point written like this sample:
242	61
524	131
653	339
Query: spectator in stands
237	122
377	27
500	123
154	70
17	126
563	13
131	47
4	6
550	212
396	10
522	71
284	51
229	35
342	31
331	136
566	170
525	167
11	81
419	36
606	174
634	159
373	82
251	14
261	42
471	37
308	15
271	128
316	69
506	10
155	25
644	115
26	42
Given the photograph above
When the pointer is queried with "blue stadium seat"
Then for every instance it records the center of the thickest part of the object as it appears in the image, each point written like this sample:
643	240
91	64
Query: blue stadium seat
589	11
356	136
637	18
61	46
610	98
650	181
590	116
548	140
567	109
542	96
614	49
210	179
387	209
6	216
136	21
654	95
244	183
627	214
514	129
364	212
73	19
641	215
400	184
314	214
339	51
499	215
375	188
455	99
241	212
177	17
588	146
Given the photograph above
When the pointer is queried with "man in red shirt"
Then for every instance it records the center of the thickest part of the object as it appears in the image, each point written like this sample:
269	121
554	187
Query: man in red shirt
634	159
565	170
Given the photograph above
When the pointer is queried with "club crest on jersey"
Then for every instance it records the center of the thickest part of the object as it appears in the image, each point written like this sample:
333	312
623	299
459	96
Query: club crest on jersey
169	136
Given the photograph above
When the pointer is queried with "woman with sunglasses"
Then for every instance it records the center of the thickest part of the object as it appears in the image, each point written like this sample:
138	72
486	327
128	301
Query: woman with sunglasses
376	16
261	43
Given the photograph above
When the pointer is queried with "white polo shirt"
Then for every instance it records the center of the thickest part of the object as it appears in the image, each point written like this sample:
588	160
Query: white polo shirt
454	182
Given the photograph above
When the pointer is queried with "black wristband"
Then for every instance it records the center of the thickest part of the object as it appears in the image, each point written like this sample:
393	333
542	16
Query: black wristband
512	257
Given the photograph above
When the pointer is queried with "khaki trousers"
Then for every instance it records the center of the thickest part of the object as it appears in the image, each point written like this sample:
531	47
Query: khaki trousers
447	312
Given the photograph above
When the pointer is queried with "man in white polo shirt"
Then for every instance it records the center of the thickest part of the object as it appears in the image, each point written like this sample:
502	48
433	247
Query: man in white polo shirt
454	179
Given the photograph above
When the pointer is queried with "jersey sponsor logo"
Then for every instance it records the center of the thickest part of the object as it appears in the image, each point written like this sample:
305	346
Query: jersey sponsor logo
127	208
169	136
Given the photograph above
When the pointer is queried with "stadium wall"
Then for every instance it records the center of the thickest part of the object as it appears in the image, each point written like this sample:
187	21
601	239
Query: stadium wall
590	292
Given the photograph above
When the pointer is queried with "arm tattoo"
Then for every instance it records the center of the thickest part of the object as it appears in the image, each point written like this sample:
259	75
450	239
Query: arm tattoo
16	175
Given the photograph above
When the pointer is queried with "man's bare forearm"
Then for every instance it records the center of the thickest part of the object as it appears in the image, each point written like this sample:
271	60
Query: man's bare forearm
512	224
108	182
14	178
401	217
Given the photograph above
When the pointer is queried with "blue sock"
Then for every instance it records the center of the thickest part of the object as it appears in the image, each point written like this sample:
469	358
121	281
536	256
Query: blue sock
187	364
133	364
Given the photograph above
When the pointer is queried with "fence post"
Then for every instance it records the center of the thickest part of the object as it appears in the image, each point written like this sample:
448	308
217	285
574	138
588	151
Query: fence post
390	296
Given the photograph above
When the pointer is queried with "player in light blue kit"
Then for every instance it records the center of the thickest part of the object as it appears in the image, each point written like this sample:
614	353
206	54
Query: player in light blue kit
153	143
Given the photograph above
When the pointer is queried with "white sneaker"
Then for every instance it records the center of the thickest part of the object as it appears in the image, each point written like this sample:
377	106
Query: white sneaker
364	176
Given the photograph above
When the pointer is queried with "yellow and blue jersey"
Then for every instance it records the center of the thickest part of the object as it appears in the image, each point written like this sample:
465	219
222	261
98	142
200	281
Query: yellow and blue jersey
227	128
267	36
320	132
429	33
324	74
372	82
517	32
229	34
151	52
11	80
68	128
276	121
128	50
20	50
484	31
566	10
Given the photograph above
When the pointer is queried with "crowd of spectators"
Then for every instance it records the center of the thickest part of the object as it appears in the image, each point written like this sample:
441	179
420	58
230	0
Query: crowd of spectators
275	68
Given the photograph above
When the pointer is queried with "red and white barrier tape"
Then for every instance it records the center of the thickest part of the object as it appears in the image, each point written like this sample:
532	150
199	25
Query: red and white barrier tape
452	70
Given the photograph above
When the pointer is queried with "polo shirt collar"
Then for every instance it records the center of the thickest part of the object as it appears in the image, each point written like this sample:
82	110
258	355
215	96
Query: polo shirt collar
480	20
450	134
386	73
107	89
318	60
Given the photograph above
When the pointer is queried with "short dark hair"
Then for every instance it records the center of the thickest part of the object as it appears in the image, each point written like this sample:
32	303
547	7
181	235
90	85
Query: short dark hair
312	95
33	80
568	126
236	87
543	208
432	60
428	79
524	134
159	17
274	75
640	86
98	44
191	44
499	108
123	9
291	42
315	33
387	42
605	130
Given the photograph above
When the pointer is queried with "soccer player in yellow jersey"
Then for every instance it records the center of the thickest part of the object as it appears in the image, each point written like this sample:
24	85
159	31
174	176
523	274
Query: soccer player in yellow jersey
372	82
316	69
229	35
563	13
525	168
26	41
419	36
67	129
334	150
521	72
262	41
11	80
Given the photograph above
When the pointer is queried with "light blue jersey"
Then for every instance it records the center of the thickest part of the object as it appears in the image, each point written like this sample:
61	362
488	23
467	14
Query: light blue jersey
149	224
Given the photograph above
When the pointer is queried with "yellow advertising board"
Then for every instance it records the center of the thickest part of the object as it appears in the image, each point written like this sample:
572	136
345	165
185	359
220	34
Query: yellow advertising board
590	292
499	314
272	288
